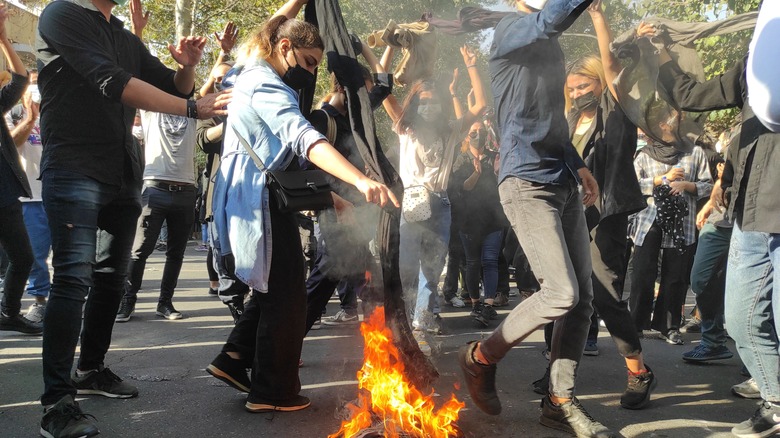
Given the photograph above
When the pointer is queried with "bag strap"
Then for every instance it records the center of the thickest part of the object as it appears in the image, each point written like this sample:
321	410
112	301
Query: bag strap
245	144
332	128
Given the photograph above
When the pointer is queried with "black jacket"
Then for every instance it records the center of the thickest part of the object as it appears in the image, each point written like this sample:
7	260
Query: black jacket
754	157
9	96
609	156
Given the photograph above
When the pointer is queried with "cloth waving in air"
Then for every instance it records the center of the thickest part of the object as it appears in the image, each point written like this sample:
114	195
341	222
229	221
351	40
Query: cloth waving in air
417	42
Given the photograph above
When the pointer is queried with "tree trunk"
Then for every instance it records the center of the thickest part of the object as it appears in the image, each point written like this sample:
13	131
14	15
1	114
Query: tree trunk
184	13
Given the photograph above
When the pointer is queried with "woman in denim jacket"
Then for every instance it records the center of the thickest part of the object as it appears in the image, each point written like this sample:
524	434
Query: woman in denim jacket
277	60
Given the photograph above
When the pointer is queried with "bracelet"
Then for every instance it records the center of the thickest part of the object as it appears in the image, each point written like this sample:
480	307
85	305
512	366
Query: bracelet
192	109
472	65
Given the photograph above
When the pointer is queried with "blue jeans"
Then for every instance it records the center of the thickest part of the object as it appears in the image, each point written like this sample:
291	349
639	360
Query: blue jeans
482	253
37	225
423	249
92	228
753	305
550	224
708	282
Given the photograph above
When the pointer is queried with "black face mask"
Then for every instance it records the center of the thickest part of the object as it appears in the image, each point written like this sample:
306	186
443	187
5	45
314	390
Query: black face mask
477	139
586	102
297	77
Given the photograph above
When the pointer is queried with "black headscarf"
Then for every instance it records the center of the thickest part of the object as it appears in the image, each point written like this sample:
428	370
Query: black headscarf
662	153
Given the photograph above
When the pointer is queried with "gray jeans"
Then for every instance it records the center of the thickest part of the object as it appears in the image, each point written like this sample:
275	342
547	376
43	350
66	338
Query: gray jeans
550	224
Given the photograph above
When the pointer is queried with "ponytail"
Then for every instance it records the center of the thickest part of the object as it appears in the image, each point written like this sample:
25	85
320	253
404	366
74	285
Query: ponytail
262	42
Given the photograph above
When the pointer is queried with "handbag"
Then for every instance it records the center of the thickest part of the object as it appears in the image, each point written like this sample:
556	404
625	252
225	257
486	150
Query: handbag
296	190
417	204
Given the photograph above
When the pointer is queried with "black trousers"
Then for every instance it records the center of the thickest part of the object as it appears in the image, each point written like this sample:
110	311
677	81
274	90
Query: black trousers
16	243
270	333
608	255
675	277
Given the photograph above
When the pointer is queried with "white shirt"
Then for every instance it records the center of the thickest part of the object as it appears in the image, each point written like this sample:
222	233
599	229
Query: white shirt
429	164
169	147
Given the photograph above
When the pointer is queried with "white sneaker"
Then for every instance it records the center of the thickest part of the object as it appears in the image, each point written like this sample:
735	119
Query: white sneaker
35	312
456	302
317	324
747	389
422	342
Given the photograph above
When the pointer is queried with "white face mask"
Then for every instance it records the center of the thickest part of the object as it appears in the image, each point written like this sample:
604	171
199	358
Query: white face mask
429	112
138	132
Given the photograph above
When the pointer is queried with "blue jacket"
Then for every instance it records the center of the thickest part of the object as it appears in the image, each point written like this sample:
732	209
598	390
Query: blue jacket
265	112
528	74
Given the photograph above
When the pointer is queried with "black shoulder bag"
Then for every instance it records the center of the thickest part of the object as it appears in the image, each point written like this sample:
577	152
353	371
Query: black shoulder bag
296	190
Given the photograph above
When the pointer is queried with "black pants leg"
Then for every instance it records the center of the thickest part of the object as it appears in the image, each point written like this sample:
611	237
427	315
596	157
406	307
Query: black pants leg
608	255
645	271
16	243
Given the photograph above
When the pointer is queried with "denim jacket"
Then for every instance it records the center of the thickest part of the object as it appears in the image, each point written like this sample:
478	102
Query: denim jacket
265	112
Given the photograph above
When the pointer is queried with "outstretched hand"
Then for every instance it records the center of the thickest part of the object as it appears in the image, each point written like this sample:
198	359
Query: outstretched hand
189	51
376	192
646	30
214	104
595	7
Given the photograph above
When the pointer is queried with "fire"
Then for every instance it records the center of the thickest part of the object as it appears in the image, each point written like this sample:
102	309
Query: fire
388	399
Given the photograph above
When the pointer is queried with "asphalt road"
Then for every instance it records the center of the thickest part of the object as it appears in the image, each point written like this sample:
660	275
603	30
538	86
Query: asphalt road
165	359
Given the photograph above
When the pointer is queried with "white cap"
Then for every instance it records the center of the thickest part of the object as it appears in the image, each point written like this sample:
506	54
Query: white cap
536	4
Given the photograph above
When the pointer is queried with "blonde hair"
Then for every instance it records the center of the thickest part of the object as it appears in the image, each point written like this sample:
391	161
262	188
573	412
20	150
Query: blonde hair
589	66
262	42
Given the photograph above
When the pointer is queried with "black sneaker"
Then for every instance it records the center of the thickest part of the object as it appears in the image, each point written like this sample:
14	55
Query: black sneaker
231	371
572	418
480	380
126	309
673	337
64	419
213	292
638	390
103	382
764	422
489	312
478	315
260	405
167	311
542	386
19	323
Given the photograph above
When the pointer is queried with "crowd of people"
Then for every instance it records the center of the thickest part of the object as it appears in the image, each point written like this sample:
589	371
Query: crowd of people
554	186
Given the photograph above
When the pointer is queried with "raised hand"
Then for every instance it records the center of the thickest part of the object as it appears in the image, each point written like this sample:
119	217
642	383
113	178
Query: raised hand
227	39
469	57
138	18
3	18
189	51
645	30
595	7
454	83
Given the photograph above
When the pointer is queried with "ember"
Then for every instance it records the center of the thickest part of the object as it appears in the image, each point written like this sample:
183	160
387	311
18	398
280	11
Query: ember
388	406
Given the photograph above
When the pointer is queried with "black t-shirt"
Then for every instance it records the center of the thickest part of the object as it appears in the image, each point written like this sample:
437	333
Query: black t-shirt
479	210
10	189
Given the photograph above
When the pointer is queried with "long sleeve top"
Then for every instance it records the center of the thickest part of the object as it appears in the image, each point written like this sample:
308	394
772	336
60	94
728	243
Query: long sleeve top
265	113
527	70
754	156
85	63
696	169
13	180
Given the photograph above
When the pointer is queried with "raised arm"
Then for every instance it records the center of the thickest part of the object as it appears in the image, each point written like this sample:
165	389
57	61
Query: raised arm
474	113
720	92
21	132
456	106
227	40
610	62
290	9
391	104
551	21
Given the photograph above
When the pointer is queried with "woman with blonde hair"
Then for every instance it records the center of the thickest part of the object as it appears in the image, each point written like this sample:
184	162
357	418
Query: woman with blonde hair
277	60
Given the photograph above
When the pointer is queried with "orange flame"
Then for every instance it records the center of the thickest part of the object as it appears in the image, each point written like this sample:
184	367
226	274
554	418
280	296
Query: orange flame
399	406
